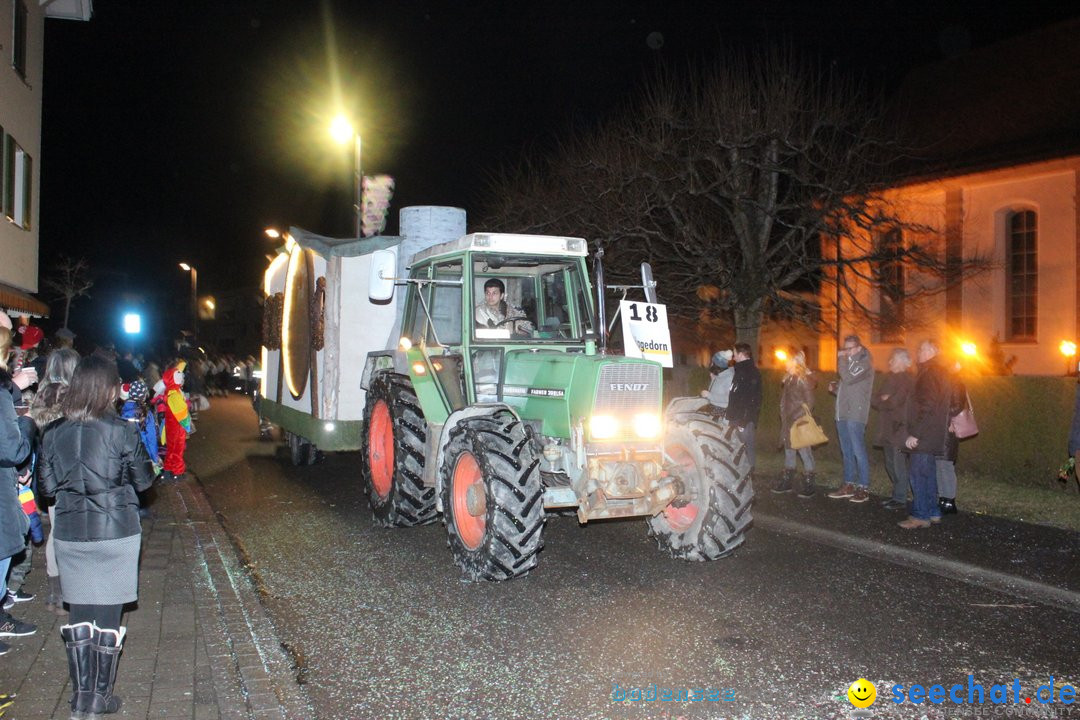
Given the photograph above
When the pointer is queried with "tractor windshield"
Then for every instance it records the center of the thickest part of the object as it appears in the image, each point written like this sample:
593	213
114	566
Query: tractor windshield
529	299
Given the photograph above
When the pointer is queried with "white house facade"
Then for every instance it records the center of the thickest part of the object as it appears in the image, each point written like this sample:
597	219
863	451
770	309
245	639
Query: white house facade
1022	223
22	37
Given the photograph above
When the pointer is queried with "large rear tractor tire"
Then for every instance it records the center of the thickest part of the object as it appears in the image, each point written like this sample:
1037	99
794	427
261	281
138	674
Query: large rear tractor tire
393	454
492	497
710	520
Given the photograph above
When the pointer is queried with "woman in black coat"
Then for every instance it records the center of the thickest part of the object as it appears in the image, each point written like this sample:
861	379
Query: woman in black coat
93	463
14	451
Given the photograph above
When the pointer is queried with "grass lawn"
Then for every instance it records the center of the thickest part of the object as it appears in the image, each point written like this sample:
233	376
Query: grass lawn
1052	504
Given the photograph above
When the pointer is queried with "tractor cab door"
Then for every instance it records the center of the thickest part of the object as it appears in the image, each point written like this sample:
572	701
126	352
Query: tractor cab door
434	317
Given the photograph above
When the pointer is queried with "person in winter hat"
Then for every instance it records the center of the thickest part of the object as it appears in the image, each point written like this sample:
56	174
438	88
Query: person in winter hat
177	422
135	395
721	374
26	338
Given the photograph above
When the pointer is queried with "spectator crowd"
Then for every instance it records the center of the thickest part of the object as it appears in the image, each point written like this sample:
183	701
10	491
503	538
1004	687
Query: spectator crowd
84	439
918	413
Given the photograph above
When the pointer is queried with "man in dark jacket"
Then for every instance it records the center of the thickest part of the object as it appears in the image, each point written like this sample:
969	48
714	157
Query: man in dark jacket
927	427
744	403
891	402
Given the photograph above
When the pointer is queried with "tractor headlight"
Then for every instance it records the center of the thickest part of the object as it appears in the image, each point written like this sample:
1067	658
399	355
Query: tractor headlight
602	427
647	425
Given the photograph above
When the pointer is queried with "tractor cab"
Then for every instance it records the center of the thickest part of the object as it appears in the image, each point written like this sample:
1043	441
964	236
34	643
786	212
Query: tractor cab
477	300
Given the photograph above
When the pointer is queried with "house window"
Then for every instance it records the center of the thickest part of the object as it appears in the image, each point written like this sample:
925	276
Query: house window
1021	276
890	279
7	170
18	38
16	183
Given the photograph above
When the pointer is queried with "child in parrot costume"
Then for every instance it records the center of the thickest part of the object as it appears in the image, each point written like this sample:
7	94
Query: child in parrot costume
177	424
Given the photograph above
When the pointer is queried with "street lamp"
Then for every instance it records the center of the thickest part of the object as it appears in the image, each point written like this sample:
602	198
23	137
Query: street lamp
1068	349
342	131
194	295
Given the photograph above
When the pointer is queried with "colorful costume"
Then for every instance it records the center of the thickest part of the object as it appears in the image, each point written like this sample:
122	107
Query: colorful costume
177	420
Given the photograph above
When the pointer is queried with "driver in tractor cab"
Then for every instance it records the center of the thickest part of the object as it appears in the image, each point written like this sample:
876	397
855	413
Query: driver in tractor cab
495	312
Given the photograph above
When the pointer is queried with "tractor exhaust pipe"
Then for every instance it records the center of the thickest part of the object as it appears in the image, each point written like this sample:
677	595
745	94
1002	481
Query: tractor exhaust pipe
601	321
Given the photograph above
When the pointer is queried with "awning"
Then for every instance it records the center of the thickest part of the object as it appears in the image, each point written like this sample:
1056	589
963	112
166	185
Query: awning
17	302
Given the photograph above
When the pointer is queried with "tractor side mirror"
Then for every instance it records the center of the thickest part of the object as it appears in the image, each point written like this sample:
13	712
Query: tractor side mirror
648	283
381	276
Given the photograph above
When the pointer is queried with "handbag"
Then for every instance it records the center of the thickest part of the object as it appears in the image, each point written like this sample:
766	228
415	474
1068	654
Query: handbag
805	432
962	424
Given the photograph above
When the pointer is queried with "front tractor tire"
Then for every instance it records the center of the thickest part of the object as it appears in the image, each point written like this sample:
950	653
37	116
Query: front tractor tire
393	454
492	497
709	521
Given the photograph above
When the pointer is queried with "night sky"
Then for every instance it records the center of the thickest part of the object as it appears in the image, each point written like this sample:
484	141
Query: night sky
179	130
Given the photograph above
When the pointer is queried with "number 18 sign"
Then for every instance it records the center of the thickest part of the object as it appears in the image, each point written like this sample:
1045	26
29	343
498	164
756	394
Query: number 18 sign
645	331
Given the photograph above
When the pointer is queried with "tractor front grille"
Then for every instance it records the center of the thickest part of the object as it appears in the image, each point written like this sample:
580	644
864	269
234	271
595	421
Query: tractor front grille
625	390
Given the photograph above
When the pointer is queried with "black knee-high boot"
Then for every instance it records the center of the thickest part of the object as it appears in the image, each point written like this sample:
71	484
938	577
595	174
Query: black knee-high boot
78	641
107	646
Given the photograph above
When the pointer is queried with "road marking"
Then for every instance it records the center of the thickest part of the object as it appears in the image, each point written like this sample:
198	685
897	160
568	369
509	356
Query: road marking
925	562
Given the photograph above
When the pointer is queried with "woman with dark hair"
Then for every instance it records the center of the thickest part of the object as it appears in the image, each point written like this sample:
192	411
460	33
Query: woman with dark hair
45	409
94	463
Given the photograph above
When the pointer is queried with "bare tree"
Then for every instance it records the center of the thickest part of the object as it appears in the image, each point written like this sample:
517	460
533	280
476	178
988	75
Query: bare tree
68	279
734	183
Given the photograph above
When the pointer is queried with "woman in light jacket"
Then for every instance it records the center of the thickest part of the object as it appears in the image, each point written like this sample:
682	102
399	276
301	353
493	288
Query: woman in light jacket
93	463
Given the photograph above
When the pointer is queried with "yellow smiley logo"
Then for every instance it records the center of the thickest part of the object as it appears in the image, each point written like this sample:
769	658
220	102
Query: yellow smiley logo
862	693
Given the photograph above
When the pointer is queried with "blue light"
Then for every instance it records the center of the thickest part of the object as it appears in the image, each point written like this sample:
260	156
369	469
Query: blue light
132	323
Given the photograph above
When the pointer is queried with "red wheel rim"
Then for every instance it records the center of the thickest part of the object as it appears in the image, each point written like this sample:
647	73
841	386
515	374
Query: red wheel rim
470	527
381	449
680	519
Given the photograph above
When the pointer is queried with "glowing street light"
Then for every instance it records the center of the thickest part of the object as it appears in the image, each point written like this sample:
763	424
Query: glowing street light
342	131
1068	349
272	233
781	355
132	323
969	349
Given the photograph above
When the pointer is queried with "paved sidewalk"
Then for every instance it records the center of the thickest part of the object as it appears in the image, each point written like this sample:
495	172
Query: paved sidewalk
199	644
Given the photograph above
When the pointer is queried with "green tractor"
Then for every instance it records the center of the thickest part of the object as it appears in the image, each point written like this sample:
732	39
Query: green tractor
500	404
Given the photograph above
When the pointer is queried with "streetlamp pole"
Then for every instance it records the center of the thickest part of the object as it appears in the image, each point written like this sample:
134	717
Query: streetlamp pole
358	181
194	297
342	131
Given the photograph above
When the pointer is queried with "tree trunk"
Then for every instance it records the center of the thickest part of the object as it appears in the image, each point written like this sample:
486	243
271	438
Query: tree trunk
748	323
67	309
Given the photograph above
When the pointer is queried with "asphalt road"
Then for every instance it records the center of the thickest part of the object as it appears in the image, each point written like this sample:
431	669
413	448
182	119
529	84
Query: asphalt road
382	626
